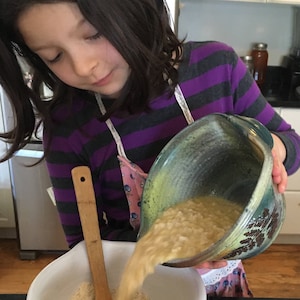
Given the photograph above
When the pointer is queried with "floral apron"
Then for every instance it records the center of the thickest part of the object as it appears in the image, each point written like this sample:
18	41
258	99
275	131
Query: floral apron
228	281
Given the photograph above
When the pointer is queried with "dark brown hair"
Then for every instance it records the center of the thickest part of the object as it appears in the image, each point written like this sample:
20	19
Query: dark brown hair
138	29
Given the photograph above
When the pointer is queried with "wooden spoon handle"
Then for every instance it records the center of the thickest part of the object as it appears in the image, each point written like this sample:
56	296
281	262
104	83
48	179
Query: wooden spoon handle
86	201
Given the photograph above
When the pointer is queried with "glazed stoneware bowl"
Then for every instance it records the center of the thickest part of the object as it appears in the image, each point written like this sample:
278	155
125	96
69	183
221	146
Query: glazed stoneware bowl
61	278
226	156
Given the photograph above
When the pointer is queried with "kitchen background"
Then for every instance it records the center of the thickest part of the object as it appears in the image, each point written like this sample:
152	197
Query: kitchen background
237	23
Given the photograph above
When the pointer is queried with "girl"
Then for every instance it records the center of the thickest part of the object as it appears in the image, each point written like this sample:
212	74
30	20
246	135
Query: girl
118	74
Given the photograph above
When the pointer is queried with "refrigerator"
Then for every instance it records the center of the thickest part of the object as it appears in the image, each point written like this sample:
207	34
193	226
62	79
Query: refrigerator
38	227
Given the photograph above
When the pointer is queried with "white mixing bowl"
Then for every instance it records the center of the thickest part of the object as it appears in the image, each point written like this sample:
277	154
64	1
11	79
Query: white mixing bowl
61	278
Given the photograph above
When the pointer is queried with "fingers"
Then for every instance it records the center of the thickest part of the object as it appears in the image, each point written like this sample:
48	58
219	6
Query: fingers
279	173
212	264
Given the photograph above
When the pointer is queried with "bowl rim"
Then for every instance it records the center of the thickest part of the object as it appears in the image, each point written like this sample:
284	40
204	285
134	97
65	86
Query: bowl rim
80	249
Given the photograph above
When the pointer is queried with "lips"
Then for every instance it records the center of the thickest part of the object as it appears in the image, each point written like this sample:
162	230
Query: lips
103	81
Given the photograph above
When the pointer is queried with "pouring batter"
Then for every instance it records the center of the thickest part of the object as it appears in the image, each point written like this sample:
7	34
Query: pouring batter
126	52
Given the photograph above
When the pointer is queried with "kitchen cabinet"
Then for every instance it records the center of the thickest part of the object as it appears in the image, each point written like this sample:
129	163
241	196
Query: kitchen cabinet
292	116
290	232
291	224
295	2
38	225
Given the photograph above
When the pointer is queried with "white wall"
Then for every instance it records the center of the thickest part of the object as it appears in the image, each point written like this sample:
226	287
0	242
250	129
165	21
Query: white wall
239	24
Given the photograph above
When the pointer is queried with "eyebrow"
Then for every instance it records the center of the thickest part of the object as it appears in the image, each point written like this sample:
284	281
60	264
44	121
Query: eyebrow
76	27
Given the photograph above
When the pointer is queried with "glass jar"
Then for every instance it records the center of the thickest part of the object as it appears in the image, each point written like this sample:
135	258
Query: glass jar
260	62
248	61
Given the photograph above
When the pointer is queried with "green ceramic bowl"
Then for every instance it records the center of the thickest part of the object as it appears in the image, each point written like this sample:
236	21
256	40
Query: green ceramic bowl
226	156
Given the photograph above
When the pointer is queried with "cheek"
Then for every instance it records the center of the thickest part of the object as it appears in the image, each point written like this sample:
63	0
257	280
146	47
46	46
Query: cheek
115	57
65	74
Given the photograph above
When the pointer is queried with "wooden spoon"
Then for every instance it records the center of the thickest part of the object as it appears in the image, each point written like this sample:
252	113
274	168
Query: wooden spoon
85	195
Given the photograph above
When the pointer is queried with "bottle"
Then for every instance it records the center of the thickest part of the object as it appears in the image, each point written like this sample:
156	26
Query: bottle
260	62
248	61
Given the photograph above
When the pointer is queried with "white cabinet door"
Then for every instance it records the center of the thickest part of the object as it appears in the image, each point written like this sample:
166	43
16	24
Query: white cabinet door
292	116
294	182
285	1
291	223
290	231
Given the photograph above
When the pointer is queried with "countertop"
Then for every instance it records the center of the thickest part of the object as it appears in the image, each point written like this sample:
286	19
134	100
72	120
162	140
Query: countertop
12	297
23	297
282	103
277	88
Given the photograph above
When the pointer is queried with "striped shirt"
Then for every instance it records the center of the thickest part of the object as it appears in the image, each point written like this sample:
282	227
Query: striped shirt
213	80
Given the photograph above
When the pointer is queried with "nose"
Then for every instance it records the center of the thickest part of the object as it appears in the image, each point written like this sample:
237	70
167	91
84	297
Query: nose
84	63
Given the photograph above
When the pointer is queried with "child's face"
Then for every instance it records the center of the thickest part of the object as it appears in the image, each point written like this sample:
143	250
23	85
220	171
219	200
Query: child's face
73	49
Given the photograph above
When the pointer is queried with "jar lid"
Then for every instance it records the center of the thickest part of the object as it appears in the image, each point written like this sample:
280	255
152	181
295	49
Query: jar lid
260	46
247	58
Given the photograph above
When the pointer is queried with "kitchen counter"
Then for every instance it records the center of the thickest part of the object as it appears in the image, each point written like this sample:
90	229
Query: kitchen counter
278	102
276	88
23	297
12	297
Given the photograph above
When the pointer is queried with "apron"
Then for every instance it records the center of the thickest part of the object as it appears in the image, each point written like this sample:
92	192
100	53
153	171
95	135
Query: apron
228	281
132	175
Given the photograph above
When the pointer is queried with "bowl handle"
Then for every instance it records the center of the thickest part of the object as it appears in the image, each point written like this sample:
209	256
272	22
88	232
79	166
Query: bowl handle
252	127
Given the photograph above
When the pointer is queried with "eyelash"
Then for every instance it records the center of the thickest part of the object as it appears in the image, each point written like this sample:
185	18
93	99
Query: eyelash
55	59
96	36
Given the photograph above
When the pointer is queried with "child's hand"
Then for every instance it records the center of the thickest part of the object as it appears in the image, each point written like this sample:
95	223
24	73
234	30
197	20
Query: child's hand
212	264
279	173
